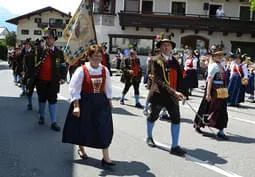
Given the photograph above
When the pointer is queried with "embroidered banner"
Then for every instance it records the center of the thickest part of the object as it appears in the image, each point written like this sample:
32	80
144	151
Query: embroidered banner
80	32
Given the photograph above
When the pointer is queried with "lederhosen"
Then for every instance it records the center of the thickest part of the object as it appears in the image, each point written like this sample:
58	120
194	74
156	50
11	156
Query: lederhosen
135	79
94	128
167	77
48	88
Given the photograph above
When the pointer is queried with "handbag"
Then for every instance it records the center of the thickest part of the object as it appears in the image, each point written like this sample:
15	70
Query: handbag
222	93
244	81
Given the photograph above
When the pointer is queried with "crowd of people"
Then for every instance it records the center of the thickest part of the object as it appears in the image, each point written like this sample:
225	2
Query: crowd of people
169	78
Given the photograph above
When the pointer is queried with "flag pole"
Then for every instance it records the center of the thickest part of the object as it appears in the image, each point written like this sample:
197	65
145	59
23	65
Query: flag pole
92	19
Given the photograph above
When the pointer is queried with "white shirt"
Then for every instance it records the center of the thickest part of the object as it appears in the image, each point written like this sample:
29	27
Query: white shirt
75	85
167	57
219	12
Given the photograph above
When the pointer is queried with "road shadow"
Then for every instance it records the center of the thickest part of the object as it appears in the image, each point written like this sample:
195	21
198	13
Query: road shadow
206	156
200	154
122	168
118	110
4	66
231	137
27	148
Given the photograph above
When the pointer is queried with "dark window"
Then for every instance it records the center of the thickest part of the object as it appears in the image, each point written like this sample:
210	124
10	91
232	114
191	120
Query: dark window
67	21
58	21
104	6
59	33
25	32
143	44
51	20
213	9
132	5
147	6
38	20
244	13
178	8
37	32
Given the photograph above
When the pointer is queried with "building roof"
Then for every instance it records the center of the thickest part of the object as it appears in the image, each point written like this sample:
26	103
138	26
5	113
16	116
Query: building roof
46	9
2	30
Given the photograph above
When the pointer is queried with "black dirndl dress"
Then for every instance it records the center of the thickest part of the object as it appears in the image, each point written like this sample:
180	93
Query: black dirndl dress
94	127
214	112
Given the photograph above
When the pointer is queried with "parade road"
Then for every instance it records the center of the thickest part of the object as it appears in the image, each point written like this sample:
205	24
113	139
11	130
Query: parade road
28	149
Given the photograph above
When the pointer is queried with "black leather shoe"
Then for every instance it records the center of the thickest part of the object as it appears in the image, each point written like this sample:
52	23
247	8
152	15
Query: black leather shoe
29	107
150	142
55	127
138	105
41	120
107	164
198	130
223	136
178	151
122	102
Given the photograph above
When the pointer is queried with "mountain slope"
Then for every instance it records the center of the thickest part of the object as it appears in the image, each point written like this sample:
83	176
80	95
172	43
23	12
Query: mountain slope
6	15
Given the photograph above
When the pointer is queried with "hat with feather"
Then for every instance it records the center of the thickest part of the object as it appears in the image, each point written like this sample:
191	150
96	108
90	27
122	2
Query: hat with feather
238	54
161	38
50	32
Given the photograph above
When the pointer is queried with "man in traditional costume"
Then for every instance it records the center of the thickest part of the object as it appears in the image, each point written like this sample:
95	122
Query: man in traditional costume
132	75
106	58
29	69
51	72
165	92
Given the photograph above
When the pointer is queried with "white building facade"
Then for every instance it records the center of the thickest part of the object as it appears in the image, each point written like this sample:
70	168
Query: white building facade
193	22
31	25
3	33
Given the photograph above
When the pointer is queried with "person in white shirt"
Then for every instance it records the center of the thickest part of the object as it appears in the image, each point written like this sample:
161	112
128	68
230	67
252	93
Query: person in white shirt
220	12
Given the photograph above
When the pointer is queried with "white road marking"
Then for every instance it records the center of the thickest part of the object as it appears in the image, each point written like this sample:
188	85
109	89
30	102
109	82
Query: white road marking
202	163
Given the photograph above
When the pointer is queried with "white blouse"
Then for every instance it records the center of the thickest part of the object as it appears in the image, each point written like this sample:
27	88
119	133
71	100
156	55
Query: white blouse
235	65
75	85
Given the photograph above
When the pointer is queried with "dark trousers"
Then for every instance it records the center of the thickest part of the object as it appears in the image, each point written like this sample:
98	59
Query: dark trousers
47	91
158	101
128	84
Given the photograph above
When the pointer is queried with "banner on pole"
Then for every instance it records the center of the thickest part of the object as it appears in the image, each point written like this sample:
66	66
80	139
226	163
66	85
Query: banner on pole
80	32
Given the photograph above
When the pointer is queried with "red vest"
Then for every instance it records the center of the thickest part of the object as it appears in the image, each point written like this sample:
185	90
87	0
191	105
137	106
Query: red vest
45	70
93	83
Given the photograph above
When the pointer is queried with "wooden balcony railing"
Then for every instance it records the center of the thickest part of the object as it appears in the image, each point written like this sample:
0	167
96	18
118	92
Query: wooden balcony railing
187	22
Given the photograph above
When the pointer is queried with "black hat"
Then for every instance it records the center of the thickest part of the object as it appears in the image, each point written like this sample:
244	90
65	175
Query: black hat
217	51
165	38
28	41
238	54
50	32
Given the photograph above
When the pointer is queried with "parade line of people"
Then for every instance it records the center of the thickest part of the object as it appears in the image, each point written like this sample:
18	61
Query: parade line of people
170	78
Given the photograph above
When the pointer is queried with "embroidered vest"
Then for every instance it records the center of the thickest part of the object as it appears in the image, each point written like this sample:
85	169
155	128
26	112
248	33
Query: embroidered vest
93	83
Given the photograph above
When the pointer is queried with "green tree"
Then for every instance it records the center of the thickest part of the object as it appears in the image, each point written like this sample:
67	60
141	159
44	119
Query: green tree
11	39
3	51
252	4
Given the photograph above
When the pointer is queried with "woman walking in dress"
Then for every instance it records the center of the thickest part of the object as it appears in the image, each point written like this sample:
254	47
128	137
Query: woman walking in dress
89	119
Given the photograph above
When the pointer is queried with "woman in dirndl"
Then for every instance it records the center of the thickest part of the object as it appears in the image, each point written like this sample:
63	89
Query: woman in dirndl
238	80
190	72
89	119
213	108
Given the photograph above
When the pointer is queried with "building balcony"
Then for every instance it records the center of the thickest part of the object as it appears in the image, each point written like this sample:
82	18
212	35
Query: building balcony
187	22
51	25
